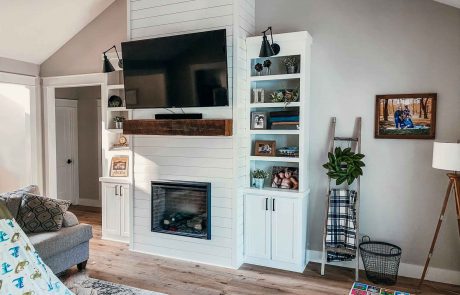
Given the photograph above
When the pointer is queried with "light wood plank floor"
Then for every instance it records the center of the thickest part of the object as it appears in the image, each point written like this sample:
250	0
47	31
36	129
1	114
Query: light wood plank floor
113	262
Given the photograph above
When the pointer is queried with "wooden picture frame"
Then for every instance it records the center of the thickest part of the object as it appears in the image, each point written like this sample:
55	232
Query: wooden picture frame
259	120
405	116
265	148
119	166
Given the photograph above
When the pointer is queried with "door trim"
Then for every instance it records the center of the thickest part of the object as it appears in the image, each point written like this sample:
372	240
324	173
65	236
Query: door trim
49	118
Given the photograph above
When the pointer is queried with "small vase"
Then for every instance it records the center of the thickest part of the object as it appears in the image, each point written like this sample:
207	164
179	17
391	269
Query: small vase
258	183
118	125
291	69
268	71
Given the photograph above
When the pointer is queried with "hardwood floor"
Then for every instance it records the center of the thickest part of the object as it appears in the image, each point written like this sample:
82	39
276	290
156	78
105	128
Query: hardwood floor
113	262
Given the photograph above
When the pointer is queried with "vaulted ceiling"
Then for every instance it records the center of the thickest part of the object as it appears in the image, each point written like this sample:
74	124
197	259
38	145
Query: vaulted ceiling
33	30
455	3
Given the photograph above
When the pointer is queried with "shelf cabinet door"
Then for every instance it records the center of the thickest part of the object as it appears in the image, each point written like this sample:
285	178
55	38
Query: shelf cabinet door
285	229
257	226
111	209
125	224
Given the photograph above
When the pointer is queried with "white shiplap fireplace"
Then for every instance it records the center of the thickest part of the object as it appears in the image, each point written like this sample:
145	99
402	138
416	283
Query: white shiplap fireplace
217	160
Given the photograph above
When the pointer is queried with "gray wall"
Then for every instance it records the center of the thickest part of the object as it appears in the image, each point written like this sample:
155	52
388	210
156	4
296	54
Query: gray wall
88	162
366	47
83	53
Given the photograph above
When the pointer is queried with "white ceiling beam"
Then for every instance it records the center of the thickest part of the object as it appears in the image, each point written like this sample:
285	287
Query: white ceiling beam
454	3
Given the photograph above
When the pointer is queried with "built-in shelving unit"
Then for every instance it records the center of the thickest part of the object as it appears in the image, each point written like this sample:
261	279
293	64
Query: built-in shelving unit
275	216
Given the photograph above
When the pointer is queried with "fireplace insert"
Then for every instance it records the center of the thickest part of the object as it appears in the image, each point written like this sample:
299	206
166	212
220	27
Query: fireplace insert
181	208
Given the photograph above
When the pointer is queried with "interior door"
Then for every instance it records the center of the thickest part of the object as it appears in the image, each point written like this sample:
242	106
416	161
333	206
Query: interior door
67	149
285	225
257	226
111	205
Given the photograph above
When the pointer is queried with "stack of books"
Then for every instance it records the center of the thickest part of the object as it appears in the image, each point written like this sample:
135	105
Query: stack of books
284	120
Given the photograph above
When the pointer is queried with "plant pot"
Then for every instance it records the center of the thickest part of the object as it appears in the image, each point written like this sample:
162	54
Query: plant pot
258	182
291	69
118	125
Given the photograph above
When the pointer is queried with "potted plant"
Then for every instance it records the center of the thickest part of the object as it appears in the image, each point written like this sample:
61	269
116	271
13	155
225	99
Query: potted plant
290	62
344	165
118	120
258	178
267	64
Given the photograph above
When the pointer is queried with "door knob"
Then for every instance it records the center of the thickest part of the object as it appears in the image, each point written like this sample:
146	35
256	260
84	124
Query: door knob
69	161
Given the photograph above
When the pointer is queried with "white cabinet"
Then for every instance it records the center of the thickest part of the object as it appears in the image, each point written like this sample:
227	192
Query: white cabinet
115	212
275	231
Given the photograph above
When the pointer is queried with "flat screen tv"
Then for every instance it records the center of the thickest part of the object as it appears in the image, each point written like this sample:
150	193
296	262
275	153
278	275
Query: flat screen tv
176	72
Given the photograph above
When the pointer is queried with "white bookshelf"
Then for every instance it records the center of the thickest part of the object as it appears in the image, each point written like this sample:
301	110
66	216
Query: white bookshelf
275	219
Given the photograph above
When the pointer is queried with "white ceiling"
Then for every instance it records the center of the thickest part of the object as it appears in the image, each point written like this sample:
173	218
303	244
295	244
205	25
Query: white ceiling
33	30
455	3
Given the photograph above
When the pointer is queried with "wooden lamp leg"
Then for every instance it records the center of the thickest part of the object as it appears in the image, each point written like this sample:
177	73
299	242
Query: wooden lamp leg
457	200
438	227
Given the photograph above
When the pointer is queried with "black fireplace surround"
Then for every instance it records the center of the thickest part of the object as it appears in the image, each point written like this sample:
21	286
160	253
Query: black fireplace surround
181	208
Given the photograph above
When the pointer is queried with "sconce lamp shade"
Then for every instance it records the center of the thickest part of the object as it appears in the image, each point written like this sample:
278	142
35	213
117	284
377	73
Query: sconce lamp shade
107	65
446	156
266	49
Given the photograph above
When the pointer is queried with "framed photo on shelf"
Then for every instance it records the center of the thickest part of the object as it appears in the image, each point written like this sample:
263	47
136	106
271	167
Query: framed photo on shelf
285	177
265	148
119	166
405	116
258	120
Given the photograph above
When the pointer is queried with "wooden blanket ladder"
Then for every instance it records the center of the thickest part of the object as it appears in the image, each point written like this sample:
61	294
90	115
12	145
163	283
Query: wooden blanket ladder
355	143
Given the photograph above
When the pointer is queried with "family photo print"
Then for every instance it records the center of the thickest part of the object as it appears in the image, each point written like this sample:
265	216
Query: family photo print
405	116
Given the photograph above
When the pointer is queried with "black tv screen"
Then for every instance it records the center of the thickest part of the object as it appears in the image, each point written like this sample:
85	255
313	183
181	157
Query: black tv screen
176	72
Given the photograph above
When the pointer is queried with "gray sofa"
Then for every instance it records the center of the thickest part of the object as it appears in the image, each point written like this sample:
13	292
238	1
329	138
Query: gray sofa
62	249
65	248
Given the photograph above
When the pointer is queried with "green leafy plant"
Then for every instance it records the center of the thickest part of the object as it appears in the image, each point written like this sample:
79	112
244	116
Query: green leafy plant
290	61
344	165
118	119
285	95
259	174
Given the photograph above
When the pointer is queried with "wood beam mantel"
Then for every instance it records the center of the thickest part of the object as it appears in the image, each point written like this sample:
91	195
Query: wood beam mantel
187	127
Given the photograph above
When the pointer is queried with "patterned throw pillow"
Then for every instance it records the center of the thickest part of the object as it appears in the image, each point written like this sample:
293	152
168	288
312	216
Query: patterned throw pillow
41	214
13	200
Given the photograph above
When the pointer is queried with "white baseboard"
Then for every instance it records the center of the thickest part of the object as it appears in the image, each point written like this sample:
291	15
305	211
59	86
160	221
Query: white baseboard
89	202
406	270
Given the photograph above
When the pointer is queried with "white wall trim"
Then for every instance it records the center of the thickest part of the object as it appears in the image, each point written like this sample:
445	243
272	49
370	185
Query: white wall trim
49	118
89	202
435	274
18	79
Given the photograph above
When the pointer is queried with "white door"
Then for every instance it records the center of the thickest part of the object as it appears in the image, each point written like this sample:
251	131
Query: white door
124	195
111	209
285	229
257	226
67	149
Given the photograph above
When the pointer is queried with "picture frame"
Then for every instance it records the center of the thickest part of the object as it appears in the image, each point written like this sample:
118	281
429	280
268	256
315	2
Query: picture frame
265	148
285	177
259	120
405	116
119	166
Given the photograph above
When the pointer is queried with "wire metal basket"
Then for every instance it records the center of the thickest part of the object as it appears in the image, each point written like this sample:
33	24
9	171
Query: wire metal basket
381	261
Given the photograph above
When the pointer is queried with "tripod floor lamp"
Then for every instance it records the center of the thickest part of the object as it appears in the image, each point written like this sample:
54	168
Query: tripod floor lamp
446	156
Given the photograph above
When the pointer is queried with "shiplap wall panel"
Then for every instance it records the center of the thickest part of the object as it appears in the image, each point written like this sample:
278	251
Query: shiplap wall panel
201	159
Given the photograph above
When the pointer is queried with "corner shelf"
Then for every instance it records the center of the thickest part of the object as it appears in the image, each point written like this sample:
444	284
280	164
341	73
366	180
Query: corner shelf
277	192
274	105
276	132
115	86
113	130
275	77
275	159
117	109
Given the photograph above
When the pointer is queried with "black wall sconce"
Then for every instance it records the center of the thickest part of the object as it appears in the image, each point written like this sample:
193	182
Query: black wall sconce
267	49
108	67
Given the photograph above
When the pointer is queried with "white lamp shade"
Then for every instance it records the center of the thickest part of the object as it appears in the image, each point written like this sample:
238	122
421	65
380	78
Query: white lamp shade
446	156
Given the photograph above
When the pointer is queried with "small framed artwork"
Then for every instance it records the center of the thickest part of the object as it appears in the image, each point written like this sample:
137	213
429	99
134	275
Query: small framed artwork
119	167
265	148
258	120
405	116
285	177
